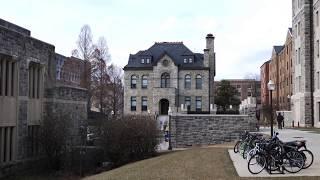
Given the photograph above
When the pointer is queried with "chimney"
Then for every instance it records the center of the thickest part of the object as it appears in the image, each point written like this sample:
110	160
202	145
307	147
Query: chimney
210	42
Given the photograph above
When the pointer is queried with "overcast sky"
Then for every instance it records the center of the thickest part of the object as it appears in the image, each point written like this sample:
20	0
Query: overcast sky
245	30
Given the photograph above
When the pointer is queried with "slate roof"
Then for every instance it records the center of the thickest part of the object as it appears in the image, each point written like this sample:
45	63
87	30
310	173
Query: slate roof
177	51
278	49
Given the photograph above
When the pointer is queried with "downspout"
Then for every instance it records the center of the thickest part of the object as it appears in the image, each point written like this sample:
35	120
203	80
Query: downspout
311	61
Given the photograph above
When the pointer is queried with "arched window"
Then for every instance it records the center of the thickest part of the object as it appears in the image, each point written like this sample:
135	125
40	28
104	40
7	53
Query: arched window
134	81
198	82
187	82
144	83
165	80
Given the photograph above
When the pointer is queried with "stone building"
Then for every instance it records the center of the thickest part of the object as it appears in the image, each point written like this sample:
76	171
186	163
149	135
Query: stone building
31	92
305	66
168	74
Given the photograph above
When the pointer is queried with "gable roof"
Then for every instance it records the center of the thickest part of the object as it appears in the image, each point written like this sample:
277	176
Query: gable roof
177	51
278	49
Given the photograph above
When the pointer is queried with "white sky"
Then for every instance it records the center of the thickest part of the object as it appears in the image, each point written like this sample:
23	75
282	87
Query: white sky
245	30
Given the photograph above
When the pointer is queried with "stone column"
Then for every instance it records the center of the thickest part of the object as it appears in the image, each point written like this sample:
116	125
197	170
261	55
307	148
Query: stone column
31	82
1	144
8	148
3	90
35	73
9	70
14	78
13	144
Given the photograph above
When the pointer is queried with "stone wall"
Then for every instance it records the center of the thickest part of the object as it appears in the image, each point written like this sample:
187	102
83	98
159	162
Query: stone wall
190	130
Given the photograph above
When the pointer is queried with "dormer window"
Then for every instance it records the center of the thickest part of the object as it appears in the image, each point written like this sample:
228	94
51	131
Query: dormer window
190	60
142	61
148	60
185	60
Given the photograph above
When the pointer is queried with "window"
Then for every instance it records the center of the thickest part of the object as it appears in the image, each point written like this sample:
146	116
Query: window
134	82
133	103
317	48
317	18
34	80
185	60
299	56
7	146
144	84
187	82
190	60
187	102
198	103
318	80
198	82
33	134
148	61
144	103
165	80
142	61
8	77
299	28
299	84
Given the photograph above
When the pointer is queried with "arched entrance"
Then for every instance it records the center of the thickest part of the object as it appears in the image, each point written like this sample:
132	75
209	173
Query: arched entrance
163	106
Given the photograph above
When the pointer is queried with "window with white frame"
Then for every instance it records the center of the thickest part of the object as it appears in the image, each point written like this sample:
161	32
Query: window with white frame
144	103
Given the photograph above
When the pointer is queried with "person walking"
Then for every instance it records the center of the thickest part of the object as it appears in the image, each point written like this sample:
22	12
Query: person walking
280	120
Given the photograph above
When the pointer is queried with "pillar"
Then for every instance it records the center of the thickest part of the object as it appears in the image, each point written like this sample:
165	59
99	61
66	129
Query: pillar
35	78
8	147
30	81
9	74
13	144
1	144
3	90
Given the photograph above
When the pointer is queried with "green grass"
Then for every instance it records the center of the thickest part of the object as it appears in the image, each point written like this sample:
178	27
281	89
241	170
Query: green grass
199	163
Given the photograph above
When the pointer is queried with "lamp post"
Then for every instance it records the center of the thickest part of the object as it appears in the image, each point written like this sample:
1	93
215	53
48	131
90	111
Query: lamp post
170	114
271	87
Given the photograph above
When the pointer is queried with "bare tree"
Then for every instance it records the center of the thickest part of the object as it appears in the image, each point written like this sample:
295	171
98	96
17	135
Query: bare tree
115	89
85	45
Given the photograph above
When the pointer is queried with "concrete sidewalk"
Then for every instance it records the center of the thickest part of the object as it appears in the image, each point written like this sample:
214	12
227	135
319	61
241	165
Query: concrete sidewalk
313	144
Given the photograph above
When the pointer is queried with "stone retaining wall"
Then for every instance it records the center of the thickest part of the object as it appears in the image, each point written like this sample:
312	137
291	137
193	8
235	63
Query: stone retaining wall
191	130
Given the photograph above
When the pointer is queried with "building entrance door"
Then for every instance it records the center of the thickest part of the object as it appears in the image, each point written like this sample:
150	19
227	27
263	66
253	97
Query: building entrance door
164	106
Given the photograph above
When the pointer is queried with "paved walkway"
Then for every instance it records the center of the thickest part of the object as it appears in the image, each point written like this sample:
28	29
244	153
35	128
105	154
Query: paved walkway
313	144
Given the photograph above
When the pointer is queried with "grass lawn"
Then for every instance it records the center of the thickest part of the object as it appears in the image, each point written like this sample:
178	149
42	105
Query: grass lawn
198	163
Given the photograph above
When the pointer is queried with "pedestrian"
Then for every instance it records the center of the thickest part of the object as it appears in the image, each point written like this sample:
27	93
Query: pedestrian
280	119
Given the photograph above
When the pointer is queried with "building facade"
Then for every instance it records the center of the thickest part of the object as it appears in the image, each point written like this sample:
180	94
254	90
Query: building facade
29	93
264	75
285	74
246	88
169	75
303	61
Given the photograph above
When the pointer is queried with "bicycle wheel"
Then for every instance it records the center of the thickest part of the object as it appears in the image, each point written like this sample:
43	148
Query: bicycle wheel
245	152
293	161
256	163
308	158
236	147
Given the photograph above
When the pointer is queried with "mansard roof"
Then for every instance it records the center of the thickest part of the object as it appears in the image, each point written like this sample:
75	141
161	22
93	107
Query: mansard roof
177	51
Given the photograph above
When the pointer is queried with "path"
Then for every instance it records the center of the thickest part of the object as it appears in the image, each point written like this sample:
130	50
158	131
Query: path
313	144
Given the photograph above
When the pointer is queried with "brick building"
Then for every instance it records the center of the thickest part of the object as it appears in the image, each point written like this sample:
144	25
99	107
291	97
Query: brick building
167	75
264	75
246	88
30	92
